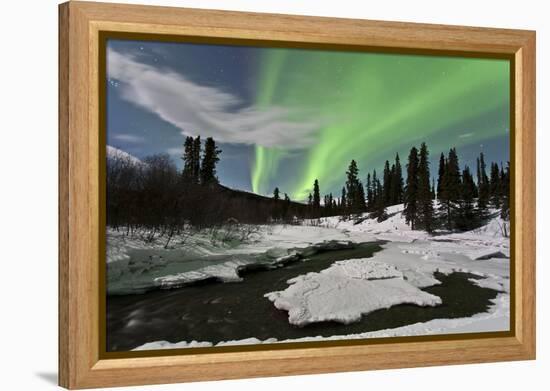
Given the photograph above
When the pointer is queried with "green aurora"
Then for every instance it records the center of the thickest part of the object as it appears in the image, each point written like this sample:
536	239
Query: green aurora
372	105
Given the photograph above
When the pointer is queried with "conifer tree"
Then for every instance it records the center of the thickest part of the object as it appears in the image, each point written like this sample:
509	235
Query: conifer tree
494	186
483	186
411	189
440	174
209	160
316	195
360	202
375	188
466	216
310	200
424	196
344	200
397	182
450	192
354	191
188	159
391	197
386	187
505	183
276	194
369	193
433	189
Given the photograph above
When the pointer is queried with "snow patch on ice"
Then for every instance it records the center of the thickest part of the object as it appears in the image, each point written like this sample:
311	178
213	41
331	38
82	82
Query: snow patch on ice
346	291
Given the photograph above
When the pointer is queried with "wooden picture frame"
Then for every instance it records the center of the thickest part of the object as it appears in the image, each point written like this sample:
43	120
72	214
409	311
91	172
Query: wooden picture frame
81	24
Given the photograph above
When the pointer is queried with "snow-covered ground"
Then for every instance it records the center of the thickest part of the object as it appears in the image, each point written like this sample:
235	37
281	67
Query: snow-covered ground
343	292
135	266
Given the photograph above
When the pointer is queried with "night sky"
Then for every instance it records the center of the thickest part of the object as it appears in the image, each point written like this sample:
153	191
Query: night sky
285	117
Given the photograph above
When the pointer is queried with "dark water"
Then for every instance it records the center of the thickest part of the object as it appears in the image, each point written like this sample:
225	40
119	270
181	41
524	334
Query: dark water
219	312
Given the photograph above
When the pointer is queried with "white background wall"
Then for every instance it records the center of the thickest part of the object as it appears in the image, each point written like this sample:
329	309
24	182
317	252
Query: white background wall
28	193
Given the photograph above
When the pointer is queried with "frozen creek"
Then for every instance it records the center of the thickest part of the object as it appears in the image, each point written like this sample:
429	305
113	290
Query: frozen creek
214	313
324	279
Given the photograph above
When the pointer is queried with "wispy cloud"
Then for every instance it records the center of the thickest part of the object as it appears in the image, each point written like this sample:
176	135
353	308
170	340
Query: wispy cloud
208	111
128	138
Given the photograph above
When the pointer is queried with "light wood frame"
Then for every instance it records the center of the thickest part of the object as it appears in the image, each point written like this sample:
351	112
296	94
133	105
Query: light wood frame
80	362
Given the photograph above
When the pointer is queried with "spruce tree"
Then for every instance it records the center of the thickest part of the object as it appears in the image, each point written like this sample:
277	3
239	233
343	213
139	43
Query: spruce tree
369	193
344	201
433	189
440	174
424	195
494	186
374	188
209	160
483	187
354	189
467	217
361	206
411	189
386	187
276	194
397	180
391	197
187	158
450	192
316	195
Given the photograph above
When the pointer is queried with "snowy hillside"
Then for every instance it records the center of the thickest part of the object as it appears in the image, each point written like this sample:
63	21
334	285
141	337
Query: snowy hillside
118	154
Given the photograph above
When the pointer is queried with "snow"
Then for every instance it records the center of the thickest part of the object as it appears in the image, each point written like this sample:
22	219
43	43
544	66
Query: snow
346	291
118	154
135	265
225	272
194	344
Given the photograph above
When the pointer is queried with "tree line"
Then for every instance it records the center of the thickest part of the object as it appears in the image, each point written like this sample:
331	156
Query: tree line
463	202
153	198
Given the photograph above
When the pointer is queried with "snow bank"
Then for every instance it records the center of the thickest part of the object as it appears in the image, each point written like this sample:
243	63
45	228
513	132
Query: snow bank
194	344
346	291
135	266
224	272
229	271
